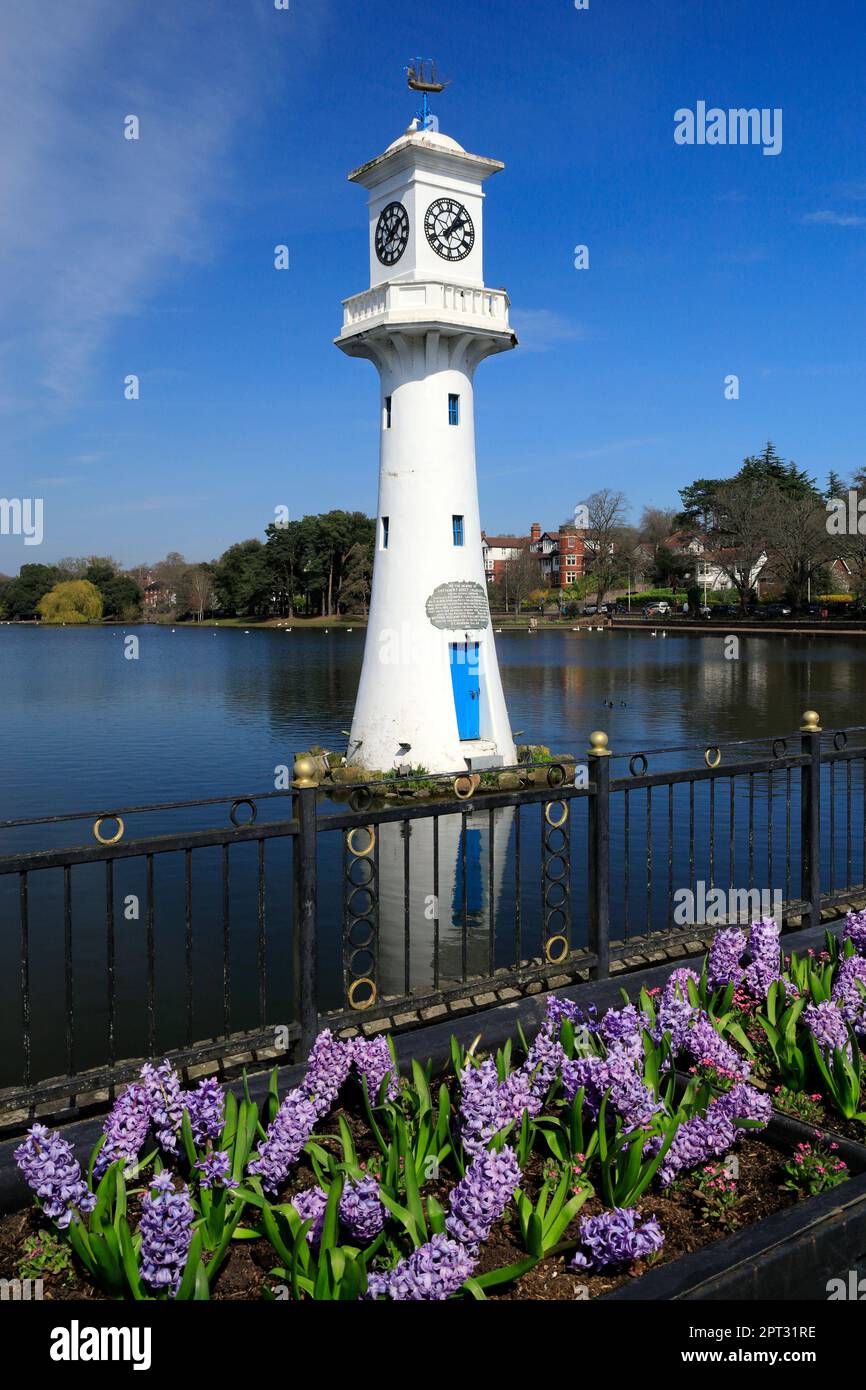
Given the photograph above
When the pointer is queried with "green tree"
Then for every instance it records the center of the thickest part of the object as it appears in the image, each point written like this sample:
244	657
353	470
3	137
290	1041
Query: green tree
121	596
21	595
356	585
285	553
74	601
242	579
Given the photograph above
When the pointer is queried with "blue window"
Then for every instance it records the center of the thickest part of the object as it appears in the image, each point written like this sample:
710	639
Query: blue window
454	410
457	528
385	530
387	412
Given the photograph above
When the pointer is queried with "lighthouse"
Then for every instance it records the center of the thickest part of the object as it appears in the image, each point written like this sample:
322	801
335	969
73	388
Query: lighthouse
430	693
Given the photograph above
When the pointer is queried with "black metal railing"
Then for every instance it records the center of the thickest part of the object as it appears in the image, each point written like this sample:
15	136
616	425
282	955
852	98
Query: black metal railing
233	939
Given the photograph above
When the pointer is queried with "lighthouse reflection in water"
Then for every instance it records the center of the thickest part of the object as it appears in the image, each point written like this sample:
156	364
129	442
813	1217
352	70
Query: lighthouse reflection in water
464	886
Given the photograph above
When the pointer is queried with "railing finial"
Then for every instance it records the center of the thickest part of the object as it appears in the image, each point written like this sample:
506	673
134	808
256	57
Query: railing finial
598	745
305	772
811	722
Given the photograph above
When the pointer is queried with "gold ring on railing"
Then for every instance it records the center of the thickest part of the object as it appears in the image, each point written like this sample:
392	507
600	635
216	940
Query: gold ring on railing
556	824
558	959
360	798
708	756
97	824
361	853
367	1003
464	781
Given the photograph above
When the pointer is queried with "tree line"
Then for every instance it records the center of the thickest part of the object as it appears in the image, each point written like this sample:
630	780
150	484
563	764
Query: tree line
770	519
319	565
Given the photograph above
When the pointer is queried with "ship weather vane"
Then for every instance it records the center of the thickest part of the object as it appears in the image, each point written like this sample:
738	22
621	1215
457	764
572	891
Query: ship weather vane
422	78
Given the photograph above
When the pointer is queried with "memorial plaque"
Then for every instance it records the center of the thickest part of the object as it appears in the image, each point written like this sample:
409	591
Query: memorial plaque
458	606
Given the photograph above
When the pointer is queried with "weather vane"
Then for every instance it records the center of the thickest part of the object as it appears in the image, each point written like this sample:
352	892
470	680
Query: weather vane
422	78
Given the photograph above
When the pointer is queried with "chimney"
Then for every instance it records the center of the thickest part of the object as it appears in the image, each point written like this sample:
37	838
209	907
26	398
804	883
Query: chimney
535	531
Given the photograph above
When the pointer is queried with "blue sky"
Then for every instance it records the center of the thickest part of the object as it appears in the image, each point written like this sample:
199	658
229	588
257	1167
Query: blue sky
155	257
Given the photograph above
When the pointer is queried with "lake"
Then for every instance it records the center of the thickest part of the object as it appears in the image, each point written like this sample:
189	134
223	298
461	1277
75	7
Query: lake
207	712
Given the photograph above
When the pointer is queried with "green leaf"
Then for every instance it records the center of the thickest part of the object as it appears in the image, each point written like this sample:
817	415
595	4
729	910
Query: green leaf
503	1276
187	1286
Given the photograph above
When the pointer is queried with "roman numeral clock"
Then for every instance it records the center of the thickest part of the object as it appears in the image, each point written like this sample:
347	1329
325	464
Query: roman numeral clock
430	692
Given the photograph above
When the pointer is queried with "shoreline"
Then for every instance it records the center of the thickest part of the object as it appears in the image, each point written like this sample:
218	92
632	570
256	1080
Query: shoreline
670	626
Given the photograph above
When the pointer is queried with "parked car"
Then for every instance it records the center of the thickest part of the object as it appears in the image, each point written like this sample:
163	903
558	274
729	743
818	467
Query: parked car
773	610
590	610
661	609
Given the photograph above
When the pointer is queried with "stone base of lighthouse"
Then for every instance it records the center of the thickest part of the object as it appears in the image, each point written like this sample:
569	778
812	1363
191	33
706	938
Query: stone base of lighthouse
408	712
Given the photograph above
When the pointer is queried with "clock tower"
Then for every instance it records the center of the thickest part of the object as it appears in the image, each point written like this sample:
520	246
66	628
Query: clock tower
430	693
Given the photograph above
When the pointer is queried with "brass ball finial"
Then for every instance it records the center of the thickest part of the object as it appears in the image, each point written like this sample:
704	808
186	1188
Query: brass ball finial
811	722
598	744
305	771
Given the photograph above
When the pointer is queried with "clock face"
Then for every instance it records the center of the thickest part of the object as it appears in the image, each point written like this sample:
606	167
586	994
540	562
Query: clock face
449	229
392	233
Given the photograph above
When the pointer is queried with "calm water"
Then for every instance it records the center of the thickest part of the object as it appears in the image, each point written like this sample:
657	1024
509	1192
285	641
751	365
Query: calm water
212	712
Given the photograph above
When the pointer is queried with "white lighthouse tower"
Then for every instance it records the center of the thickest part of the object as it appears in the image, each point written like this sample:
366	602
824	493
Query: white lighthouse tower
430	693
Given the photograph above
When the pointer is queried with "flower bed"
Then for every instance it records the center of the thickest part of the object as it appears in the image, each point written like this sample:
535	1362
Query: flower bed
564	1167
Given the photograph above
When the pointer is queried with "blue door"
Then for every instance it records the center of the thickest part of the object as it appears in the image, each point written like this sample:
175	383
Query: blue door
467	687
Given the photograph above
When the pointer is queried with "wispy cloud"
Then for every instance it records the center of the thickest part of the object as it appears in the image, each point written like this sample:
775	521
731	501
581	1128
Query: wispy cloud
834	219
539	330
92	223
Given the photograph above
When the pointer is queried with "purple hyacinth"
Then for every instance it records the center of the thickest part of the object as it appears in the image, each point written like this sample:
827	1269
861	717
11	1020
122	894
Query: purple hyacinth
849	991
206	1106
624	1028
765	954
215	1169
723	963
704	1044
166	1233
674	1017
697	1140
165	1101
287	1134
51	1169
827	1026
125	1129
372	1057
480	1198
433	1272
328	1066
362	1211
707	1136
744	1102
629	1097
310	1206
560	1011
677	983
855	931
614	1239
543	1060
479	1105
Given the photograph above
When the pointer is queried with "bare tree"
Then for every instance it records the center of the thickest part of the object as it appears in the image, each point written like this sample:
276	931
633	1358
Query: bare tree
738	540
521	574
799	542
201	592
602	537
